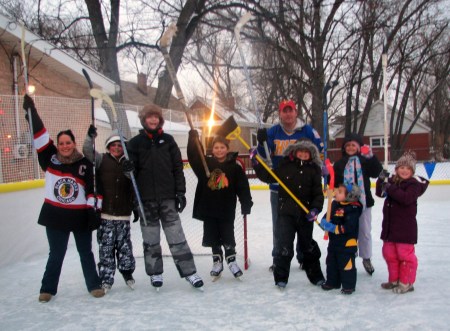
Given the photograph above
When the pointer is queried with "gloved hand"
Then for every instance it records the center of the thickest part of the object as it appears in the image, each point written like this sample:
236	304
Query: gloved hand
180	202
384	175
261	135
252	155
193	133
128	166
28	103
94	219
327	226
384	188
325	172
366	151
312	215
245	210
92	131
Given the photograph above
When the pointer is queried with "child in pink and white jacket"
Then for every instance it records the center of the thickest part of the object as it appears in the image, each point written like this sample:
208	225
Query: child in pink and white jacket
399	228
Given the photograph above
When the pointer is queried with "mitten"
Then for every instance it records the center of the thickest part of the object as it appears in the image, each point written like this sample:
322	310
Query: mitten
128	166
92	131
28	103
312	215
325	172
180	202
384	174
327	226
261	135
94	219
366	151
245	210
193	133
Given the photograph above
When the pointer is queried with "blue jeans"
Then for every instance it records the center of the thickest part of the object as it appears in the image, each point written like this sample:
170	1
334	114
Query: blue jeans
274	207
57	240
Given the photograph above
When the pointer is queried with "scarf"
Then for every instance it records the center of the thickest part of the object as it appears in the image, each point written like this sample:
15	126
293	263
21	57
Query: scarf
74	157
353	174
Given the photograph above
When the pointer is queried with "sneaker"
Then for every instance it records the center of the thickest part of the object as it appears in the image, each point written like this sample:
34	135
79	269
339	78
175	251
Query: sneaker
234	268
106	287
45	297
98	293
156	280
368	266
195	280
217	268
347	291
328	287
403	288
389	285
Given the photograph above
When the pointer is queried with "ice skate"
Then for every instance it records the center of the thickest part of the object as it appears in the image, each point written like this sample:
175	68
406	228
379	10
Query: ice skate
367	264
234	268
106	287
157	281
129	280
195	281
217	268
281	286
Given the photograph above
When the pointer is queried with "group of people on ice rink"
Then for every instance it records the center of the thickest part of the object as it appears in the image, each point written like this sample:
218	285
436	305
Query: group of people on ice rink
74	204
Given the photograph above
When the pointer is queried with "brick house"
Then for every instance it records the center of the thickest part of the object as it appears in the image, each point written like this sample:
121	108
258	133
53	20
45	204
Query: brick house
418	141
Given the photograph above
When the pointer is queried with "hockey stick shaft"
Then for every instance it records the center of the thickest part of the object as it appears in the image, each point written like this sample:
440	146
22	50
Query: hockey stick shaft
386	135
237	33
30	118
165	41
94	172
97	94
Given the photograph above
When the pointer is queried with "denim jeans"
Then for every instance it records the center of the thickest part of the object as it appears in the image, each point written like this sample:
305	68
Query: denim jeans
57	240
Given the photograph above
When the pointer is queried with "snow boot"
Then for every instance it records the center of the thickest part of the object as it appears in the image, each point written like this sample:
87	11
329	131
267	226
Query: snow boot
98	293
328	287
347	291
389	285
403	288
217	267
156	280
234	268
367	264
314	273
45	297
195	280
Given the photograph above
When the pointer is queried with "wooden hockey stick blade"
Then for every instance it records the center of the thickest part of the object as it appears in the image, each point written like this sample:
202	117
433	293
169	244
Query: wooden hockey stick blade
242	21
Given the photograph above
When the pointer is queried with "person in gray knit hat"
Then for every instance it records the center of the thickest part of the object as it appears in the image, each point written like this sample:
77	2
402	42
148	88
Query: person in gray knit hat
300	170
156	160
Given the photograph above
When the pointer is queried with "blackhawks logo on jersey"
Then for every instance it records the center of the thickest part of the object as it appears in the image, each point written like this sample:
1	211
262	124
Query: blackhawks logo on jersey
66	190
217	180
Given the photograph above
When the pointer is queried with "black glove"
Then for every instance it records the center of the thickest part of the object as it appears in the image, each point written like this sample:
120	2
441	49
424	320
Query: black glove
136	215
261	136
94	219
128	166
92	131
245	210
384	174
180	202
193	134
28	103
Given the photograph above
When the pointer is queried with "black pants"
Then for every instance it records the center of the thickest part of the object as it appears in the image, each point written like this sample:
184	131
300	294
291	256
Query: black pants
341	269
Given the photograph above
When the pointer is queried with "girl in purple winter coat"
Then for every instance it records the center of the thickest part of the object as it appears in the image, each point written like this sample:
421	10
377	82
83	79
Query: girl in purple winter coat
399	228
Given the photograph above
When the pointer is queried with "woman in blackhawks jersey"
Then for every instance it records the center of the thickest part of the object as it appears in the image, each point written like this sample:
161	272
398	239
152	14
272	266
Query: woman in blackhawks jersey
68	205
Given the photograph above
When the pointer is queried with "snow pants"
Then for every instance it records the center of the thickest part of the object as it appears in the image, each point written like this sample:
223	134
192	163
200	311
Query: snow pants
365	234
341	268
163	213
401	261
58	240
114	244
287	227
274	207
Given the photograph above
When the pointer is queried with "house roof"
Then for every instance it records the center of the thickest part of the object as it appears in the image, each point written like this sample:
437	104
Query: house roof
242	116
51	56
375	122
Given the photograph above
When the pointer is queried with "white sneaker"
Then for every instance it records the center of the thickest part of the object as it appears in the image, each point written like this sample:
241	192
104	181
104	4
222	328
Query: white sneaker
195	280
156	280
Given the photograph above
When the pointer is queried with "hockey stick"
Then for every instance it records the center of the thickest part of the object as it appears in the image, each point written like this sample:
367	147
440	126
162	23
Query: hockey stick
237	33
94	162
30	118
231	131
386	136
97	94
329	193
165	41
328	87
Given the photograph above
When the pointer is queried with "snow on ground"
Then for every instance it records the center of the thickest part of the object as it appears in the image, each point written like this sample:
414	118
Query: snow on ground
251	304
